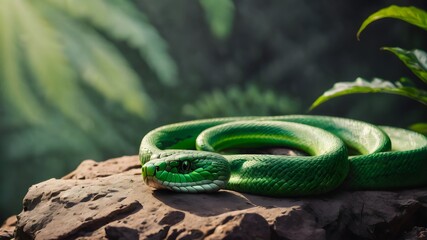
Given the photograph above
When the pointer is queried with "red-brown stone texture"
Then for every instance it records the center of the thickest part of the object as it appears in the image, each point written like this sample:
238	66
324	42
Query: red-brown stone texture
108	200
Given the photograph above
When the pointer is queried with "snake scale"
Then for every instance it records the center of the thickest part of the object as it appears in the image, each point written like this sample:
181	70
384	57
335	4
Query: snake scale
341	153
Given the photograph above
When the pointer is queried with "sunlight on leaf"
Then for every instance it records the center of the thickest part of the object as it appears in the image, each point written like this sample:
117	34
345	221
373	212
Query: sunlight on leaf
419	127
412	15
415	60
219	15
101	66
46	50
48	65
122	21
15	91
67	92
61	79
376	86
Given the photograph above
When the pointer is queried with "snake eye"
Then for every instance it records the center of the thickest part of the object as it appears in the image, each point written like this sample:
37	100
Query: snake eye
185	166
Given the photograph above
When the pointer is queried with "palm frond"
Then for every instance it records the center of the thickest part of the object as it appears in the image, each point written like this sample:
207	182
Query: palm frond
63	82
101	65
15	90
122	21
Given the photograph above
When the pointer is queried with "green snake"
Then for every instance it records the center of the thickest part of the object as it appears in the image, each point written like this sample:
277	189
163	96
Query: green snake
341	153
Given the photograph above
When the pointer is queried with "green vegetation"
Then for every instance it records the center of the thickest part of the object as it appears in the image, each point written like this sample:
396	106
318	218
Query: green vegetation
237	101
415	60
59	74
219	15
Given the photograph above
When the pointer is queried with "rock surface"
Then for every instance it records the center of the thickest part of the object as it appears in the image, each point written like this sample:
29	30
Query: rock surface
8	228
108	200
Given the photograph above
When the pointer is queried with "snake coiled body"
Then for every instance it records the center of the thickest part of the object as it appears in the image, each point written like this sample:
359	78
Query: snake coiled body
185	157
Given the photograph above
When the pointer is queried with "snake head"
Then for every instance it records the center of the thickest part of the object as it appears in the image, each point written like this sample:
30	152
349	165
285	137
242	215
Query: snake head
187	171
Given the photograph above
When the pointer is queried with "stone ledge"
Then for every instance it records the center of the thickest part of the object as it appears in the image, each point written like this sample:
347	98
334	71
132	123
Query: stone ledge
108	200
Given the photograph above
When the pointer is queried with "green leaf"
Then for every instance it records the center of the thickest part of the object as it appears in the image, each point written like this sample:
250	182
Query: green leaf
121	20
419	127
15	90
376	86
45	52
415	60
49	59
100	64
47	64
102	68
67	93
412	15
219	15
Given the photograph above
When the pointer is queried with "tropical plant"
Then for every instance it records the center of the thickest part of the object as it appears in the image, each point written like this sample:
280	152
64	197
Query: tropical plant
238	101
66	87
415	60
219	15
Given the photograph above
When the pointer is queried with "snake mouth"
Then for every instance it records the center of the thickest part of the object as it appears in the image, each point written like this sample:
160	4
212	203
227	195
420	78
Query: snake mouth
155	183
149	171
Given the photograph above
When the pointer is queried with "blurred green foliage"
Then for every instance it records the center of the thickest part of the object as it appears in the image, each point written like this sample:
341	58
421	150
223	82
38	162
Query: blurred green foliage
250	100
87	79
55	57
219	15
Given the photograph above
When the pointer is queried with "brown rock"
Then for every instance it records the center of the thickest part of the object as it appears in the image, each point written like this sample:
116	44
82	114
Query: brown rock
108	200
242	226
8	228
114	233
419	233
89	169
297	225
